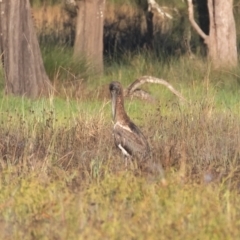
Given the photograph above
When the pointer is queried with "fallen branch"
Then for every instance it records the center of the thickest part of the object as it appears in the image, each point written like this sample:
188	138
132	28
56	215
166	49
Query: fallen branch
133	88
139	93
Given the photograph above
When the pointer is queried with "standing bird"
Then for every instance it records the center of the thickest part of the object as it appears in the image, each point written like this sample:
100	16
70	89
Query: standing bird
128	137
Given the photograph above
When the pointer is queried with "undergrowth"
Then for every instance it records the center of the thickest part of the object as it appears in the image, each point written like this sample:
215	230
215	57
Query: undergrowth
63	178
120	206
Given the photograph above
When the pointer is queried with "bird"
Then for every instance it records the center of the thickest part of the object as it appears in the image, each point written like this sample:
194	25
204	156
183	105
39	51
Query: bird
128	137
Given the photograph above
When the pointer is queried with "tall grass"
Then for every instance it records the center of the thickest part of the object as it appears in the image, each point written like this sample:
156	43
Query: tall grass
63	178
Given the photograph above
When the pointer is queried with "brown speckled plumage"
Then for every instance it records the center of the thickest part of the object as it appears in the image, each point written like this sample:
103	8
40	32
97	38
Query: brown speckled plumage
127	135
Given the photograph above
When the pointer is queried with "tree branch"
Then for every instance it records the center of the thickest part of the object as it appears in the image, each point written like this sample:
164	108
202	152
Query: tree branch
193	22
139	93
133	88
152	5
210	10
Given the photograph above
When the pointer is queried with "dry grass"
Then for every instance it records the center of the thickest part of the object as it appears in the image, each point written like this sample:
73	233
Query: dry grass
125	28
202	139
53	24
196	137
62	177
47	17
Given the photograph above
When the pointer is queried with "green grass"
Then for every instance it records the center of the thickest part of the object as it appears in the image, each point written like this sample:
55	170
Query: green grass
122	206
60	64
63	178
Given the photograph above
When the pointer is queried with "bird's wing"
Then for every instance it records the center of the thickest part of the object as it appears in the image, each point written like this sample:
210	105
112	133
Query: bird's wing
131	139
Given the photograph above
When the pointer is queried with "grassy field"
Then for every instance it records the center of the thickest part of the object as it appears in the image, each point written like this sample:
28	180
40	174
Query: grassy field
62	177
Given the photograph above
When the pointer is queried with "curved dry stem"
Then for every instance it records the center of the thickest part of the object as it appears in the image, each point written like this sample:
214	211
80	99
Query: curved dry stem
133	88
193	22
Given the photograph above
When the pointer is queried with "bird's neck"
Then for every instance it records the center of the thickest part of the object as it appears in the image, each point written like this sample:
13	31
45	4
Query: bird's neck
121	115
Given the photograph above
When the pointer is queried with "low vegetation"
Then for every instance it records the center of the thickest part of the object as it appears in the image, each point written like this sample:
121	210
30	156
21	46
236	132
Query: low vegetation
63	178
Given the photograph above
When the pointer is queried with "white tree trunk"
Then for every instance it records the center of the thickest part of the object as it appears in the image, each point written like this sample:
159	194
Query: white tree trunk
221	41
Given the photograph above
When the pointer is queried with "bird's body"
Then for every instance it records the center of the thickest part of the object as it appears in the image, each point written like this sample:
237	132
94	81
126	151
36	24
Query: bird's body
130	140
127	135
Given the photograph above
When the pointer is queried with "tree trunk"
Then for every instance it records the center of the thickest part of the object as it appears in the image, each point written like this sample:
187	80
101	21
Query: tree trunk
22	60
89	33
149	35
221	40
222	33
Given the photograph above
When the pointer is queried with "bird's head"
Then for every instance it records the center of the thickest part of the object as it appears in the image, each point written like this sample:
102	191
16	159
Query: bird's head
116	90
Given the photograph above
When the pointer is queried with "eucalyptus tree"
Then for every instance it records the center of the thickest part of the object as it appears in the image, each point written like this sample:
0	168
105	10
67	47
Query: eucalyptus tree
220	39
88	42
20	51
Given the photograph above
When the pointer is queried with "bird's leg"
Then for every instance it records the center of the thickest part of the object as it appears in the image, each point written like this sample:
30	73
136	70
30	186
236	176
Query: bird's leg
126	161
155	171
130	162
160	172
133	164
163	179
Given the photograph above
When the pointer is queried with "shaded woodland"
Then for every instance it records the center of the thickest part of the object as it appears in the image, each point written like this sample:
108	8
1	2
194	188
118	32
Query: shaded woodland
126	30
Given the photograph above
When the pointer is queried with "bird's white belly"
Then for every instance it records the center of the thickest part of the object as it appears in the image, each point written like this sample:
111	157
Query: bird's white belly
125	153
122	126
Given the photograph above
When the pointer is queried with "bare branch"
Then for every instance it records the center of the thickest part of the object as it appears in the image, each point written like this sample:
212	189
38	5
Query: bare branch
210	10
139	93
133	87
193	22
152	5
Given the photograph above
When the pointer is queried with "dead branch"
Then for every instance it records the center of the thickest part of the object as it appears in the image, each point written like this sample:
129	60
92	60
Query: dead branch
139	93
152	5
193	22
133	88
211	13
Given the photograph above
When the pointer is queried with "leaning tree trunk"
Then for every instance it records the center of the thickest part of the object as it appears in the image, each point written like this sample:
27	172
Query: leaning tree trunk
22	60
221	40
156	19
89	32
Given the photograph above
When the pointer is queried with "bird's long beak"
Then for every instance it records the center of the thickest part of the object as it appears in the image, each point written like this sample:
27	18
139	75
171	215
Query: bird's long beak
114	99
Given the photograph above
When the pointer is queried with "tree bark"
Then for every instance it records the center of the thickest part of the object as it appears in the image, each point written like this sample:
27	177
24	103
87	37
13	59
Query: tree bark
89	33
22	60
221	40
149	35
